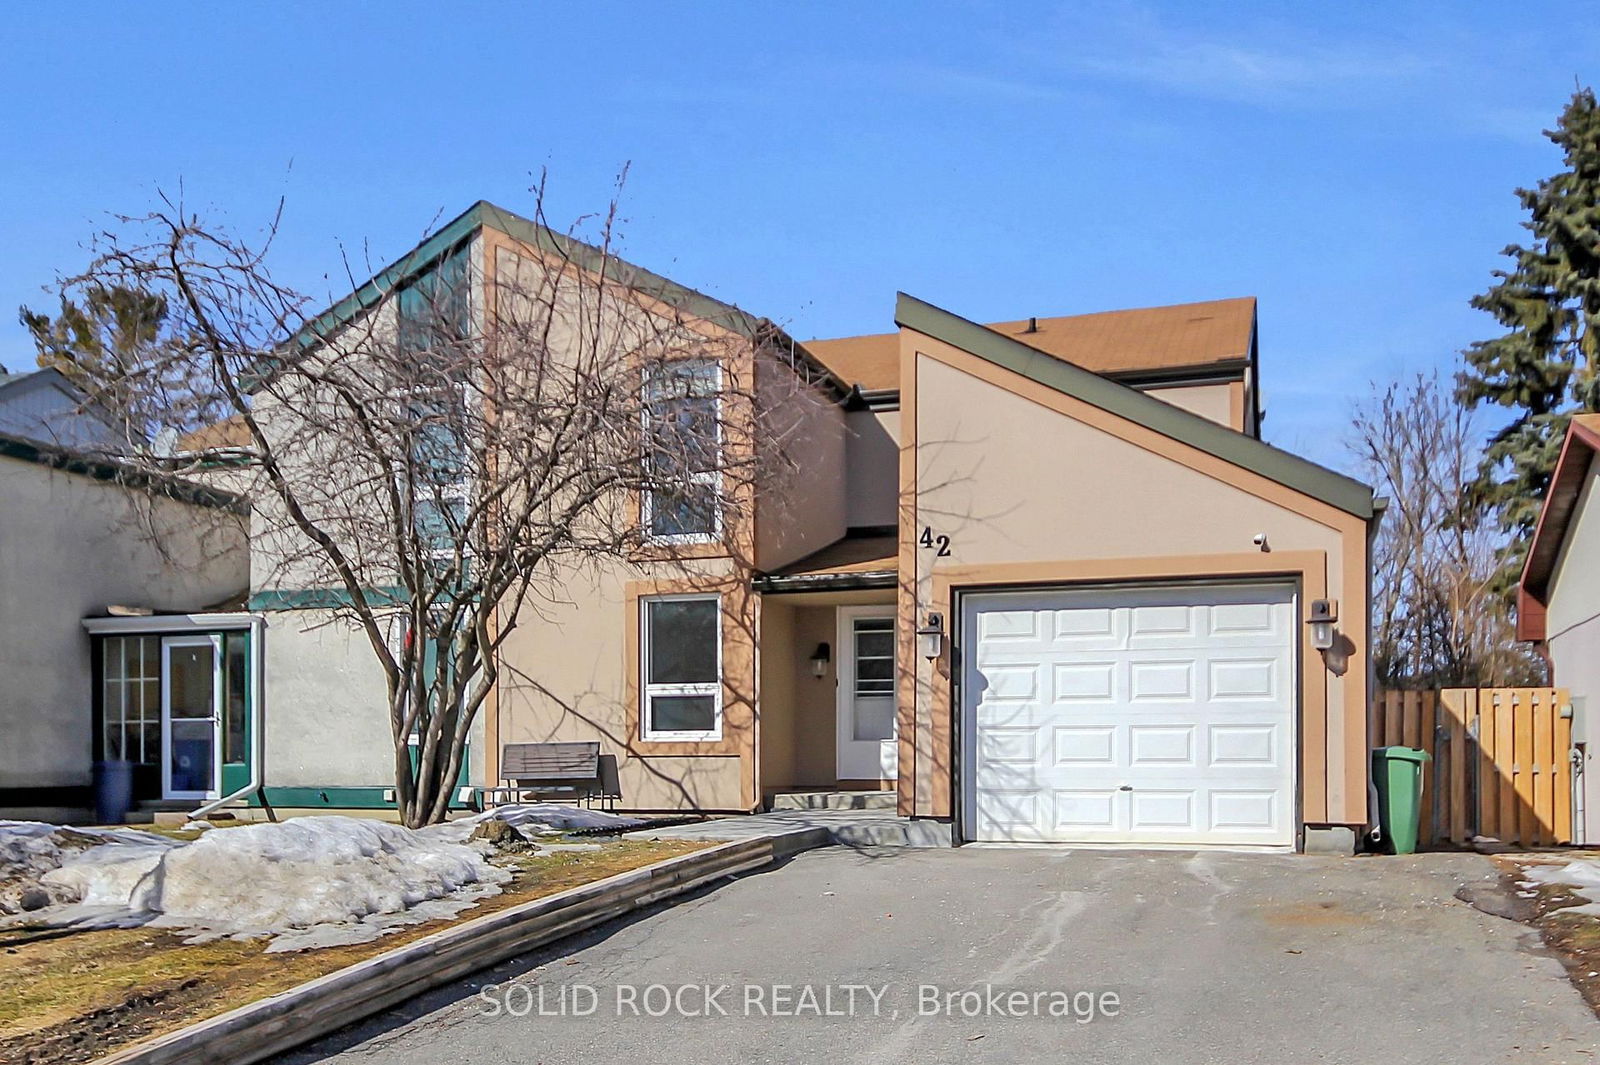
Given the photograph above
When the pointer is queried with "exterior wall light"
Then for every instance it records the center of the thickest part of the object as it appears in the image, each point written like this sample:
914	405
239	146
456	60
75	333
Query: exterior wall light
1324	613
930	637
819	660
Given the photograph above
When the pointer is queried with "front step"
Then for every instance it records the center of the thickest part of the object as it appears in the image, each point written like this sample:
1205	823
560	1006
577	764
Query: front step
832	800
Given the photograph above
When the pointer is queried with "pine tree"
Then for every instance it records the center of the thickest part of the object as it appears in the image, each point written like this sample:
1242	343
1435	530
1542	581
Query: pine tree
1545	366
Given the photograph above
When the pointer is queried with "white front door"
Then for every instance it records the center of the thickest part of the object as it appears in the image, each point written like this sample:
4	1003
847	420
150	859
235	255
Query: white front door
1158	715
868	741
191	695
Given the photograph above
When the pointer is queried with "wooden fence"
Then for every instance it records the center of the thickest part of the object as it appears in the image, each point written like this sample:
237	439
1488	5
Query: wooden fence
1501	765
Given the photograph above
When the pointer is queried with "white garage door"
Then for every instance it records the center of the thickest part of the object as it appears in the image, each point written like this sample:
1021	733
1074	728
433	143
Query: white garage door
1160	715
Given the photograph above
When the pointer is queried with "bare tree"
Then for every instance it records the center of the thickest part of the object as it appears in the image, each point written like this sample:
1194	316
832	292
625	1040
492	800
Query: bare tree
1436	619
443	456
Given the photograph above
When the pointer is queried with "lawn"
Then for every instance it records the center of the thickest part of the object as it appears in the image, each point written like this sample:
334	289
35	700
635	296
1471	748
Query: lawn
74	996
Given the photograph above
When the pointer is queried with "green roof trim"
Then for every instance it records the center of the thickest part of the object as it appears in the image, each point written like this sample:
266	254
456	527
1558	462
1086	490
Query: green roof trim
325	598
586	256
1246	452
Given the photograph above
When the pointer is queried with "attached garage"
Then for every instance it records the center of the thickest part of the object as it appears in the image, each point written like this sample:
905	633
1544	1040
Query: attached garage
1143	715
1105	606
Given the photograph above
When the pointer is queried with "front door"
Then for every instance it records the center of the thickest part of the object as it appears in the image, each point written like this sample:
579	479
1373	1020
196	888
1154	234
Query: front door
867	736
191	697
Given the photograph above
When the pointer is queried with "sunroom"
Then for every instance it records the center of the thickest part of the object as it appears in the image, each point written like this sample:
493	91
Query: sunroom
175	700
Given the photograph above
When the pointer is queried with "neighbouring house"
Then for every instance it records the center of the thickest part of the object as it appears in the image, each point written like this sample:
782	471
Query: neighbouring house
1039	580
81	534
1558	603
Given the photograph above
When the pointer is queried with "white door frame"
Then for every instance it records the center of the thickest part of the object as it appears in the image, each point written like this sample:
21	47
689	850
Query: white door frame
844	701
167	644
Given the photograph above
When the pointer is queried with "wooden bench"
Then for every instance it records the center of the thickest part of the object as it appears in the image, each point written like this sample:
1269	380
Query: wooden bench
555	771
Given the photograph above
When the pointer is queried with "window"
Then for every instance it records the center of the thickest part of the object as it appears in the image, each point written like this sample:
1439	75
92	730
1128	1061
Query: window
681	659
440	481
132	699
434	308
874	678
684	426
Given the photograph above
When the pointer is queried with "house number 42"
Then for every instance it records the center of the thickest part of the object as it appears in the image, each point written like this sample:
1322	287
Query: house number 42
940	543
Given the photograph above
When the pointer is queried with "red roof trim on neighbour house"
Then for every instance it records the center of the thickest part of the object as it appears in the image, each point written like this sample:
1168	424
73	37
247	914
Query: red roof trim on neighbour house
1566	484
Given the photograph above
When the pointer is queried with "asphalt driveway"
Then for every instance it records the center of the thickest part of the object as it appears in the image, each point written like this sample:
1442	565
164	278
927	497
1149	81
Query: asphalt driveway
1119	957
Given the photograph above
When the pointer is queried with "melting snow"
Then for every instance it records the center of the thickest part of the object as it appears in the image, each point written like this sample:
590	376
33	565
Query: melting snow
1582	876
307	882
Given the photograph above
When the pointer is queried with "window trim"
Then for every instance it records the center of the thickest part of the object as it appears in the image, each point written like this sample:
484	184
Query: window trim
711	478
647	691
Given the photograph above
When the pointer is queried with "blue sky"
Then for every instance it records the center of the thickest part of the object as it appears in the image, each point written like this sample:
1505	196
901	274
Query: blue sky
1350	165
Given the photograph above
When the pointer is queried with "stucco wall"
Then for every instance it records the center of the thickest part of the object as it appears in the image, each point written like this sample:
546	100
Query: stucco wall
566	677
70	546
1208	401
1010	480
326	723
801	507
872	473
1572	622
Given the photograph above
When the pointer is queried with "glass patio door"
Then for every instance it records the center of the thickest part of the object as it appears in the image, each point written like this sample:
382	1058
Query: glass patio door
191	697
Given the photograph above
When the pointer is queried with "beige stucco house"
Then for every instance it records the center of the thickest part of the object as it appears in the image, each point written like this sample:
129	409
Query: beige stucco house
1039	580
1558	602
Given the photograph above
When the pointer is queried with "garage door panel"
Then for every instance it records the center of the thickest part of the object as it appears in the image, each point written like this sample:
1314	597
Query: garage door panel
1084	682
1166	745
1245	678
1161	680
1163	810
1085	809
1245	810
1005	744
1245	745
1086	745
1136	715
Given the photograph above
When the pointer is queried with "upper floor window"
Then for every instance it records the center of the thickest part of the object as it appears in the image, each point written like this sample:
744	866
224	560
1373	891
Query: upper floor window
434	308
683	424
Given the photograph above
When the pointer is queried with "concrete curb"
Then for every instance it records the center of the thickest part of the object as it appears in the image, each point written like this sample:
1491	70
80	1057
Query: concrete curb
303	1013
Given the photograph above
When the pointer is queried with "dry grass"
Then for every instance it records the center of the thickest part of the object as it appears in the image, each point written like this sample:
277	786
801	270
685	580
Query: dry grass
1574	937
74	997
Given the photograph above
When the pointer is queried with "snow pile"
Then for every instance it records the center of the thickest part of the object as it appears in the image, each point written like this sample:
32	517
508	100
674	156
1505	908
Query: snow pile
1582	876
33	855
311	881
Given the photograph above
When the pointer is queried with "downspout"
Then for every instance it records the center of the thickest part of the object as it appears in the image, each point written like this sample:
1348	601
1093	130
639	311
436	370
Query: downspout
258	698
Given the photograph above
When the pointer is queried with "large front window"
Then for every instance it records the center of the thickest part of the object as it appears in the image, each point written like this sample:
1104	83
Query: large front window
681	644
683	424
131	672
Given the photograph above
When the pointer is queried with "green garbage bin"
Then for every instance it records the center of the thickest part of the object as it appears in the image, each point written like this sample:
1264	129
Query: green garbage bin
1397	773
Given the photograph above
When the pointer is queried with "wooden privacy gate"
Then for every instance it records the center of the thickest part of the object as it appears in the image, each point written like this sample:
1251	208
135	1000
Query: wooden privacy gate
1502	764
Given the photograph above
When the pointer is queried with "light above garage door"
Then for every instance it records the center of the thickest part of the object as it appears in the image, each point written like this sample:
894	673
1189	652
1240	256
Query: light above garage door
1162	715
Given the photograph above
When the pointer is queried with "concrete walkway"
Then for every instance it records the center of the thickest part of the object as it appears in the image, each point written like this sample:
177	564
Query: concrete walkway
1245	959
852	828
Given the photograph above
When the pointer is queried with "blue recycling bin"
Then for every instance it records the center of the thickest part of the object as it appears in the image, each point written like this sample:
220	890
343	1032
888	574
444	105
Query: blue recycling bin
113	792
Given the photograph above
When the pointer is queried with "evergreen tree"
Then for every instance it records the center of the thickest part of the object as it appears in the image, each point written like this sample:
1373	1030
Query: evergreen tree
113	343
1544	367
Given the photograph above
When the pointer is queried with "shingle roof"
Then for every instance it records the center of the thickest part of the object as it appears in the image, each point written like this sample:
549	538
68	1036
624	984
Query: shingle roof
1184	336
1239	449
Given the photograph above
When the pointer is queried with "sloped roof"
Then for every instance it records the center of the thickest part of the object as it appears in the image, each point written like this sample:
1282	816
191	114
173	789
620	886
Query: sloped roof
1213	335
586	256
1239	449
1560	502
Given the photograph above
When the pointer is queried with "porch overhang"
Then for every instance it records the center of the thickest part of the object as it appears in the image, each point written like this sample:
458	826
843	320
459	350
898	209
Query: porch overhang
778	584
862	559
